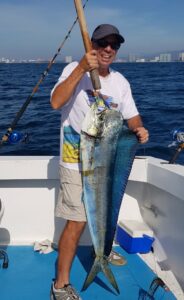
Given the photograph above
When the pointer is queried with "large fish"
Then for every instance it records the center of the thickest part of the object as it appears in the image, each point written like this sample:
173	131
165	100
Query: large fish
107	153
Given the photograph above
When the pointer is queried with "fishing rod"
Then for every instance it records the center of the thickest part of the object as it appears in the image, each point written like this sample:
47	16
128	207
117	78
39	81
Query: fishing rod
87	44
9	133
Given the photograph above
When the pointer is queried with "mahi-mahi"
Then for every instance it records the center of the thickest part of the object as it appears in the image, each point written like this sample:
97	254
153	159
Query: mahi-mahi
107	152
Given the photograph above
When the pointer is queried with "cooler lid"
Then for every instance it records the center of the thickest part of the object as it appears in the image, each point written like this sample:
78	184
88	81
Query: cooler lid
135	228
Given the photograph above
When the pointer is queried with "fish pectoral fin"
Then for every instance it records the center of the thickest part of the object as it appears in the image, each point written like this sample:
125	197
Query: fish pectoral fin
100	264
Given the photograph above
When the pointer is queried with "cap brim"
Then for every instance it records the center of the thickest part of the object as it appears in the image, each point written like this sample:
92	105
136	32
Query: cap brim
120	38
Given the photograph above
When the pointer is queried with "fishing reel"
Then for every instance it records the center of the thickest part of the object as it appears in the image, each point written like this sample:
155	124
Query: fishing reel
16	137
178	143
177	137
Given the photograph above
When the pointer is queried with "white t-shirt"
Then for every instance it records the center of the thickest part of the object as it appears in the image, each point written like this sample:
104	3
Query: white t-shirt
113	86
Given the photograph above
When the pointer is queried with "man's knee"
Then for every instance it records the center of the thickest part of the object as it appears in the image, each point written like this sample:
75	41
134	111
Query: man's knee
76	226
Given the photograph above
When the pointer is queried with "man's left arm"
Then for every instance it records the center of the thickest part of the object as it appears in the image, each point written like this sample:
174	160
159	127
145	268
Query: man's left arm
135	124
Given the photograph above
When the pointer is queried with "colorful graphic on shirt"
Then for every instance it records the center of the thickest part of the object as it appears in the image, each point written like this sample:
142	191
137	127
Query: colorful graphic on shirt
71	145
108	101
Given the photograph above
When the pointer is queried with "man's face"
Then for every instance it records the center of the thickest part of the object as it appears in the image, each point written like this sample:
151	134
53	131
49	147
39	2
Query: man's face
106	50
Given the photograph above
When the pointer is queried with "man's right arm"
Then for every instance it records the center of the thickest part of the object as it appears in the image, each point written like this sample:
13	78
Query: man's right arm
65	89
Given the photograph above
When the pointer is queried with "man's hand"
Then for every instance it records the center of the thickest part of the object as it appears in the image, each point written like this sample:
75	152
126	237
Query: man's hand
89	61
142	134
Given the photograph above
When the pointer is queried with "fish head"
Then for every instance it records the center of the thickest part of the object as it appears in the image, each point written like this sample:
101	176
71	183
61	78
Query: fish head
100	119
93	121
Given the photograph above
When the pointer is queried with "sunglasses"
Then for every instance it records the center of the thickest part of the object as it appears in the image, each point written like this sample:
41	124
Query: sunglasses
104	43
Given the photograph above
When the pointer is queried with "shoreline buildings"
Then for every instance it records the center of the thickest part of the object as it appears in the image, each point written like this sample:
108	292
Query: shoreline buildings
131	58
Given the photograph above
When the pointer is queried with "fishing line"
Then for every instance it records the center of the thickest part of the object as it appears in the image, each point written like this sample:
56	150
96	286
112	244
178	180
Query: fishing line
43	75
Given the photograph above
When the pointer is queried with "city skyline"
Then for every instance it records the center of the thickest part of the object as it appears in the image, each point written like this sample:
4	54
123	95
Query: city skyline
31	30
173	56
176	56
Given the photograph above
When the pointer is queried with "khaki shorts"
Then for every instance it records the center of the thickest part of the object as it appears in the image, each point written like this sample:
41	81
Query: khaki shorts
70	205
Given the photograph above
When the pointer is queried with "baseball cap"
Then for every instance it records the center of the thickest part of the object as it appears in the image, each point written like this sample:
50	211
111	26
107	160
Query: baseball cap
104	30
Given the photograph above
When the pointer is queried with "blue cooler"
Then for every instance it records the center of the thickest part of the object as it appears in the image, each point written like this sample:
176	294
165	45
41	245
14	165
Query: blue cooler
134	236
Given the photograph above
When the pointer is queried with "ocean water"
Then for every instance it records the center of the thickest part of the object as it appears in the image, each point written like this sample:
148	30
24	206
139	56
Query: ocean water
158	90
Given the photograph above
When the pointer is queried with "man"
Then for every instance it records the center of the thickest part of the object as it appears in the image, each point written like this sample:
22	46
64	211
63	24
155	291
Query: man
73	95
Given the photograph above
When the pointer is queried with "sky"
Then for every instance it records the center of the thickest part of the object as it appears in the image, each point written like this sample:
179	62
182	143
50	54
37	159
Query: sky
36	28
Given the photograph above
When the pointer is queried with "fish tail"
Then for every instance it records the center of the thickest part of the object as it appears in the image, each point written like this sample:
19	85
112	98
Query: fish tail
100	264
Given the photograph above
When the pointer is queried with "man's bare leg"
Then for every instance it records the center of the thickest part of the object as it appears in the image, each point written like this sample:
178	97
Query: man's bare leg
67	248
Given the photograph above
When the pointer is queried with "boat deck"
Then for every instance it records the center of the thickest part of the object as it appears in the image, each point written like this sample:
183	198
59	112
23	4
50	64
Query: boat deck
30	274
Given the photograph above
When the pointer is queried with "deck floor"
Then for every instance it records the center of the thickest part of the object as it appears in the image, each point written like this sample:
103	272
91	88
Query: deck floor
30	274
